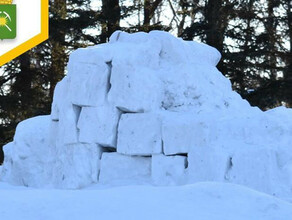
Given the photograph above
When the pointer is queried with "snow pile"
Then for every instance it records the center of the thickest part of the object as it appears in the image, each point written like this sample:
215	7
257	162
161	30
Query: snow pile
151	108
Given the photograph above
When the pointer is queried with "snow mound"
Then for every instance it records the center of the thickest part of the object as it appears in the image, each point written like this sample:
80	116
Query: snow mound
151	108
204	201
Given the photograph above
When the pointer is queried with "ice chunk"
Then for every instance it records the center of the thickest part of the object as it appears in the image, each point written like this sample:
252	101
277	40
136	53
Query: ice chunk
168	170
99	125
135	89
139	134
117	167
77	165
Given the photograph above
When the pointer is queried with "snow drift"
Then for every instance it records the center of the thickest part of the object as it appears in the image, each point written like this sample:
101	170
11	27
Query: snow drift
151	108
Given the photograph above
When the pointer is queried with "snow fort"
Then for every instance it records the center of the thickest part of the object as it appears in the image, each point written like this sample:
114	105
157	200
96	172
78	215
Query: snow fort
149	108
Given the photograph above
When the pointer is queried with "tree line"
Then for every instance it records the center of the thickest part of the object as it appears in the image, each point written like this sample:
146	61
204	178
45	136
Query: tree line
254	38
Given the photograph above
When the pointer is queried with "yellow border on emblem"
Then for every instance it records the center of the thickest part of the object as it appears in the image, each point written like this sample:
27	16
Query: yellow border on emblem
44	35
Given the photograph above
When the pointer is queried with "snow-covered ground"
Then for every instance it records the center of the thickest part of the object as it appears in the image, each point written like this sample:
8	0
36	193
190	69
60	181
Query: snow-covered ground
202	201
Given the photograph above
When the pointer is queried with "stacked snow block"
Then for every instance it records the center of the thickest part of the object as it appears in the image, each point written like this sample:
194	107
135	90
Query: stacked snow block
149	107
113	114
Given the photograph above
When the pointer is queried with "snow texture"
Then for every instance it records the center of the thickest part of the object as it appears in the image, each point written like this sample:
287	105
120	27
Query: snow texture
139	134
168	170
99	125
204	201
118	167
154	108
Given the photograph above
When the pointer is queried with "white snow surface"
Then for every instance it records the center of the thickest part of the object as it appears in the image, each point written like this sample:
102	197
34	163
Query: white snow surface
152	108
204	201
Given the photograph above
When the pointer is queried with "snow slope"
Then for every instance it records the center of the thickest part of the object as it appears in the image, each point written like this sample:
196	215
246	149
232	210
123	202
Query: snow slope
203	201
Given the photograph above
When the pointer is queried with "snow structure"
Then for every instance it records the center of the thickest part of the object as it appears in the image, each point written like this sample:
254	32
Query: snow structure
151	108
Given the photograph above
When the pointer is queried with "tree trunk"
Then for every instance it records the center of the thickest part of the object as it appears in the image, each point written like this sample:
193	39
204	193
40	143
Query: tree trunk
149	10
58	48
288	72
215	24
111	12
271	49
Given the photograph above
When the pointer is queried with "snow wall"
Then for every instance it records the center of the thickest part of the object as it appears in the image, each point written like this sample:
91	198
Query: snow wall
150	108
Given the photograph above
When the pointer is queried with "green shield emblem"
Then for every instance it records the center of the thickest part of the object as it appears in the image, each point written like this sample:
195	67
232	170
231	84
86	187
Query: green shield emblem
7	21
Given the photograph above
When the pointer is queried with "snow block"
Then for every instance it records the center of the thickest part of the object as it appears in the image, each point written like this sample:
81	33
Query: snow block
88	83
65	114
176	50
208	164
168	170
135	89
139	134
191	91
256	168
29	158
99	125
67	125
138	49
77	165
181	133
117	167
60	99
97	54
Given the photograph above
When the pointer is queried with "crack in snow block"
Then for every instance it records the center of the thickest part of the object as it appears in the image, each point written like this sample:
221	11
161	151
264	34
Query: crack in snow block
99	125
77	165
207	164
181	132
168	170
139	134
28	159
117	168
256	168
88	83
135	89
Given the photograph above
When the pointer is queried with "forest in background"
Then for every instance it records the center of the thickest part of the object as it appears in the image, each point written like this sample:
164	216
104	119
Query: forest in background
254	38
